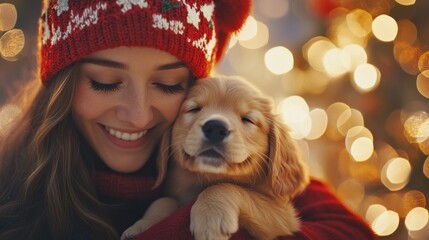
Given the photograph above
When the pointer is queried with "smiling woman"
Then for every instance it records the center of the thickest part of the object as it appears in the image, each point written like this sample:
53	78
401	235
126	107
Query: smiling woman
122	108
78	162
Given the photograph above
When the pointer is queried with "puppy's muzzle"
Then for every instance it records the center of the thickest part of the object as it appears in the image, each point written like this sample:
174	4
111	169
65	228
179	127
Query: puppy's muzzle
215	131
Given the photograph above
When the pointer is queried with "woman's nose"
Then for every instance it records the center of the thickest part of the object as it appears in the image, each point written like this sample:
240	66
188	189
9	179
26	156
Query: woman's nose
136	109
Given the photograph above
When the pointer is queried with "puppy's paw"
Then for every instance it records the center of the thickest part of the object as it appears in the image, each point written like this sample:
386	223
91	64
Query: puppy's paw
135	229
213	219
157	211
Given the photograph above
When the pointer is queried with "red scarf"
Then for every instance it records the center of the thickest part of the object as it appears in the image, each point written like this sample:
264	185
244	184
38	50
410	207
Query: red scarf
124	186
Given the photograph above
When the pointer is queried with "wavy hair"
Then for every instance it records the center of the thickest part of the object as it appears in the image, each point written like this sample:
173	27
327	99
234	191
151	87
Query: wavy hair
46	190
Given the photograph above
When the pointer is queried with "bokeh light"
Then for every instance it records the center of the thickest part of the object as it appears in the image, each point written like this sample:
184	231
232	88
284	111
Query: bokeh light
386	223
13	40
8	114
422	83
385	28
8	16
406	2
416	127
417	219
274	9
407	32
356	54
359	22
279	60
426	167
374	211
396	173
259	40
334	62
249	29
11	43
362	148
349	118
293	109
366	77
315	50
319	120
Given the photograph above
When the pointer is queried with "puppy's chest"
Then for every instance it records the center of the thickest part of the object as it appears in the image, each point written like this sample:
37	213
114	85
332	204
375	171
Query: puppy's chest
185	186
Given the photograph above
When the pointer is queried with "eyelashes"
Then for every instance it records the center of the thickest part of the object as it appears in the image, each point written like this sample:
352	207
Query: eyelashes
103	87
112	87
170	89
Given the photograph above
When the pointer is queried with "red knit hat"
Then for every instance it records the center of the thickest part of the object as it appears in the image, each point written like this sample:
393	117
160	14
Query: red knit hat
195	31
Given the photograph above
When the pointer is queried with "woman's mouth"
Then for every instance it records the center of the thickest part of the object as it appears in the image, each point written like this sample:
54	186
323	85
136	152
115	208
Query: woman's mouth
125	135
125	139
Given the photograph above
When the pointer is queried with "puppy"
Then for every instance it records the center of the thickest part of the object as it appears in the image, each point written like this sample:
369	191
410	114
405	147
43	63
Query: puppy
231	153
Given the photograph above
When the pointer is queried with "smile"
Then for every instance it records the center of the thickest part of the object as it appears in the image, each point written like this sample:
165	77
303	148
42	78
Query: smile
125	135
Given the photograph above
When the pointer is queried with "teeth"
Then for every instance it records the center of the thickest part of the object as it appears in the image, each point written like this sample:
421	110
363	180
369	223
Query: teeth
124	135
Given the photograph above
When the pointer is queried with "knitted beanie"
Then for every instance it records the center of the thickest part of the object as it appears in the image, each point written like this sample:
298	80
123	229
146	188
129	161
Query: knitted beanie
195	31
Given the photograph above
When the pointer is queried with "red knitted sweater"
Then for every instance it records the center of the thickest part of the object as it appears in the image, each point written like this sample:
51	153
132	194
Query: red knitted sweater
323	216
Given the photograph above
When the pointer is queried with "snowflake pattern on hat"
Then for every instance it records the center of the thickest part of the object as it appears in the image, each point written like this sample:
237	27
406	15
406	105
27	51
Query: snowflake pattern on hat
62	6
193	14
128	4
186	29
90	16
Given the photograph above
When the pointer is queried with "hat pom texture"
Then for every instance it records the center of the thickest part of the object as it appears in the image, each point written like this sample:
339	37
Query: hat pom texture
231	15
195	31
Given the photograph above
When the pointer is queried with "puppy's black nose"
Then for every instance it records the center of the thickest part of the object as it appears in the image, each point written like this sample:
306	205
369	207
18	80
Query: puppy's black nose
215	131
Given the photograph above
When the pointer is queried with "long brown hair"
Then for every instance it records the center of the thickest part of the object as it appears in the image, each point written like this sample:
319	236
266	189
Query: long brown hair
46	190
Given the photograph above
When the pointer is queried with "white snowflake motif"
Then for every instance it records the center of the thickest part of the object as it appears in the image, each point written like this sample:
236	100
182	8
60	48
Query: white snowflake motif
207	10
62	6
57	35
161	23
193	15
128	4
81	20
177	27
46	33
206	45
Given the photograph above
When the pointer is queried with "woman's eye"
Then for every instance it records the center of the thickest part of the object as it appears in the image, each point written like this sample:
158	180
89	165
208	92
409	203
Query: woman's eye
103	87
170	89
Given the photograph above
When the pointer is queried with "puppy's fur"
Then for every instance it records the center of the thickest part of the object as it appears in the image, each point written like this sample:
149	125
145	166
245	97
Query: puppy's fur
232	154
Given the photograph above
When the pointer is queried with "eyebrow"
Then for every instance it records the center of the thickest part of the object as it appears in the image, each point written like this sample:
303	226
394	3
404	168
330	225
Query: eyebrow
119	65
104	63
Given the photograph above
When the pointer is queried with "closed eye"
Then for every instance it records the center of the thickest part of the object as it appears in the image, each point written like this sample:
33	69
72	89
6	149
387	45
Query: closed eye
170	89
103	87
248	120
193	109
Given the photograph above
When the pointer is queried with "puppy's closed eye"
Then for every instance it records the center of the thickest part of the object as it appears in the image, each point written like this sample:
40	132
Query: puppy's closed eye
191	107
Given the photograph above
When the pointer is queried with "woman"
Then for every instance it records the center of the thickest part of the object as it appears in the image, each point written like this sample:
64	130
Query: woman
78	162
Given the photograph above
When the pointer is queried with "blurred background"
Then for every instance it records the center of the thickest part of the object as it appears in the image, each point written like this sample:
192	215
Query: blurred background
350	78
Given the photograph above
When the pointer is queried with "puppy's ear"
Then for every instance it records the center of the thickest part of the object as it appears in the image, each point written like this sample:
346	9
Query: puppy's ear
163	156
287	173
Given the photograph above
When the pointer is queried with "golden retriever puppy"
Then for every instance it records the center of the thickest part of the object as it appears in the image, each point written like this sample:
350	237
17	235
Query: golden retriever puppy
230	152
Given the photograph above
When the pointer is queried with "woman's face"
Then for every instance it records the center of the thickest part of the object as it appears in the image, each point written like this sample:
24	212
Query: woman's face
125	99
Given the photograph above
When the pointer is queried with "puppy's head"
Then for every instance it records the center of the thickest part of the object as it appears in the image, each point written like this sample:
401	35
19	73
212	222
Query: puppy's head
226	129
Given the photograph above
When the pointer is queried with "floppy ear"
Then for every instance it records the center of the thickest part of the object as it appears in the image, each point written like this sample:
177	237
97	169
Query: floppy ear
287	173
163	156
